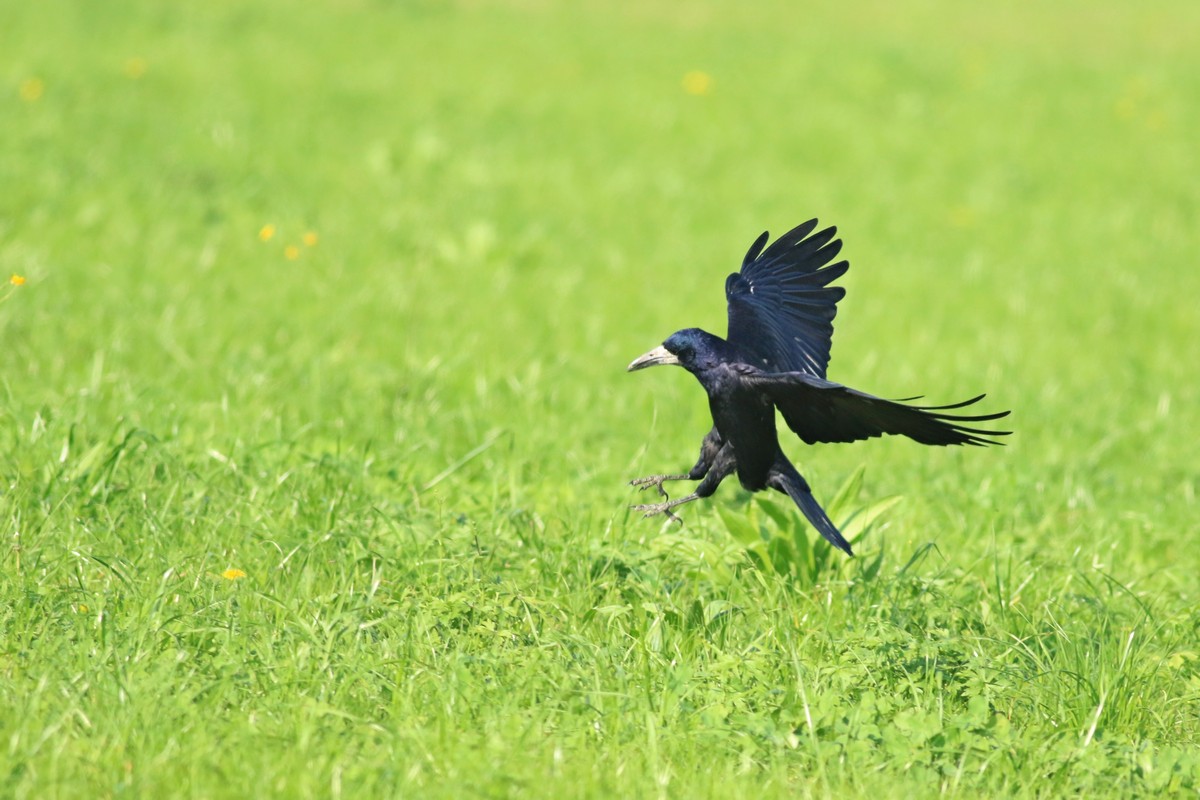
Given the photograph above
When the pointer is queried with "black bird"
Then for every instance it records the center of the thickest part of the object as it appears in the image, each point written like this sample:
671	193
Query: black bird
781	310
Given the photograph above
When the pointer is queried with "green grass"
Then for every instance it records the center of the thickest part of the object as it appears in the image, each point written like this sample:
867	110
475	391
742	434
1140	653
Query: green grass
414	437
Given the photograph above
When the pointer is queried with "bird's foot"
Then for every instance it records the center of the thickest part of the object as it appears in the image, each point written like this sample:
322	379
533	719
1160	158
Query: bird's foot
651	509
656	481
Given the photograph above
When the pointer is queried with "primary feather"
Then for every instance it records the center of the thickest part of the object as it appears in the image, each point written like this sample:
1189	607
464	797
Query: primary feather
781	307
822	411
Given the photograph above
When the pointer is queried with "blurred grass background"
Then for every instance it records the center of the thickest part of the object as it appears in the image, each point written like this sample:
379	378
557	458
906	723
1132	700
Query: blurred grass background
419	413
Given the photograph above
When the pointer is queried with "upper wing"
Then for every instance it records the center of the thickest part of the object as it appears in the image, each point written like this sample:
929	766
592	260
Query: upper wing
781	307
823	411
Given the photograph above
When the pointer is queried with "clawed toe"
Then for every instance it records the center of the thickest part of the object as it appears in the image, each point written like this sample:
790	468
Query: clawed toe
645	484
653	509
656	481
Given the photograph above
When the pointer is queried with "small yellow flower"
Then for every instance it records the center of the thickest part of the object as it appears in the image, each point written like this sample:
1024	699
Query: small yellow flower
309	238
973	68
962	217
17	280
81	608
1125	108
266	232
291	252
697	82
31	89
135	67
232	574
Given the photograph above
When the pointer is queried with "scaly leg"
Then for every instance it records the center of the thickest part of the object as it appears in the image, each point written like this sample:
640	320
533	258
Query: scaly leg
665	508
657	481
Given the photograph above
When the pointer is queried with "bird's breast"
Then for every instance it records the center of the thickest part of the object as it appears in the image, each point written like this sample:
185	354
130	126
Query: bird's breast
746	421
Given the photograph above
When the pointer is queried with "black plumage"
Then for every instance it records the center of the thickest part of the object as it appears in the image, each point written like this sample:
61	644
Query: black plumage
781	311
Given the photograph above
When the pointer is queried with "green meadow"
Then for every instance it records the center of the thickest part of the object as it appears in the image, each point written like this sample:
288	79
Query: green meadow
315	434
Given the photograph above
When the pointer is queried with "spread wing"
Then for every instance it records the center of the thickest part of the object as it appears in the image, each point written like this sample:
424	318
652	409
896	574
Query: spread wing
822	411
781	307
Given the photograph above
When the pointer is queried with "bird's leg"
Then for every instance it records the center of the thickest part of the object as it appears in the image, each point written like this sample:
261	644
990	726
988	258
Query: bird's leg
665	508
709	450
719	468
657	481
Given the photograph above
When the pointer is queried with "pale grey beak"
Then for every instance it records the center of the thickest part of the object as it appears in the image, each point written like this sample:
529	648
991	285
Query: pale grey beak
658	356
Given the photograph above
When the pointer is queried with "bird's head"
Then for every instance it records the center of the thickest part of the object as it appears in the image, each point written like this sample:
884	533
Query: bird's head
691	348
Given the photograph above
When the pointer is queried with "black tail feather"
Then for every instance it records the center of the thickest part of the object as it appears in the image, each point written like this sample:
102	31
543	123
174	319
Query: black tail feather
794	486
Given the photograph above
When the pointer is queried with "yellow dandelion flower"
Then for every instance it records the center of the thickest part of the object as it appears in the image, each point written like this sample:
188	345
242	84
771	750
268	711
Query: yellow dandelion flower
291	252
31	89
697	83
81	608
232	574
134	67
266	232
309	238
17	280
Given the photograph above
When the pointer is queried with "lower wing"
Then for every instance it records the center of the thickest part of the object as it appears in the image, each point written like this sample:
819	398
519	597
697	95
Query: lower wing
823	411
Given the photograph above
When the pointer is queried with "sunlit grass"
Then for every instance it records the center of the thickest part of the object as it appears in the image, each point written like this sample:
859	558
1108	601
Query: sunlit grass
314	430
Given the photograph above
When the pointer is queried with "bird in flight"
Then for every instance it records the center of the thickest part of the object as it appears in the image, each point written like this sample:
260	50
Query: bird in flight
781	310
